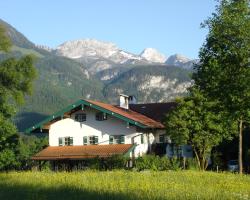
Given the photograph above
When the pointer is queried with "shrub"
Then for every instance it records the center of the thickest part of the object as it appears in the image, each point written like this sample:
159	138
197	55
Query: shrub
175	163
152	162
116	162
112	162
192	164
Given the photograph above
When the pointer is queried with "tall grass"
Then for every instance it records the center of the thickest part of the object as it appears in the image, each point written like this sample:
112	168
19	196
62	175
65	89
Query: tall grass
123	185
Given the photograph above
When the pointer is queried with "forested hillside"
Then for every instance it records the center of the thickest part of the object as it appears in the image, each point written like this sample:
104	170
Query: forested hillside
60	80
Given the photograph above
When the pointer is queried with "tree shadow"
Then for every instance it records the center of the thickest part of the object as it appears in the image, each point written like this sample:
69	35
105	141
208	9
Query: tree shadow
16	192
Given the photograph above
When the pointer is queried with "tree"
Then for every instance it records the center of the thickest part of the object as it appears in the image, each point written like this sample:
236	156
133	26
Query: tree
16	78
5	41
224	69
27	147
199	122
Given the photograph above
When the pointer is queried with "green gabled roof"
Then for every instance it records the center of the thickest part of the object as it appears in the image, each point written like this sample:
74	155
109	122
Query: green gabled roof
82	103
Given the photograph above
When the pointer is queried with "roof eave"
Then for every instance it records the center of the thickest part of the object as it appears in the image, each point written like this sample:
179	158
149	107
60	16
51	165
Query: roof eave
77	104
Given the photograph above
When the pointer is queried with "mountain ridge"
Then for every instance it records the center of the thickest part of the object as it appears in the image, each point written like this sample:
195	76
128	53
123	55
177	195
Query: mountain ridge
96	50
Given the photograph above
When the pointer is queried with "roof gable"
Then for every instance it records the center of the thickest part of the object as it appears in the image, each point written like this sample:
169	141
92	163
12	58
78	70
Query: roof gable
129	116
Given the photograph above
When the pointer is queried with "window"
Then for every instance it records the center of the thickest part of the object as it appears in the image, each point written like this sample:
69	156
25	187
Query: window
142	139
85	140
65	141
60	141
90	140
80	117
100	116
116	139
68	141
161	138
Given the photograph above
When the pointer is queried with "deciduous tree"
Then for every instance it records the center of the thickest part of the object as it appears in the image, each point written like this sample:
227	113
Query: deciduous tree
199	122
16	76
224	69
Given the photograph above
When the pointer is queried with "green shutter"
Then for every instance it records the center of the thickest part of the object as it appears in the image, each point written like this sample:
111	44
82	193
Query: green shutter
85	140
142	139
122	139
96	139
111	139
161	138
60	141
71	141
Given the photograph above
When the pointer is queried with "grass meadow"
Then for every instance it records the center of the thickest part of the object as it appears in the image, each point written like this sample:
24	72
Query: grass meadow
125	185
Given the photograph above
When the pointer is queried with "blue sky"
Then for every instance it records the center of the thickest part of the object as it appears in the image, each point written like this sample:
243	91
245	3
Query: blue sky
171	26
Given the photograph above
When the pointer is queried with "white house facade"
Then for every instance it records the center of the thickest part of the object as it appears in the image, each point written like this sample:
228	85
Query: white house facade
92	130
88	129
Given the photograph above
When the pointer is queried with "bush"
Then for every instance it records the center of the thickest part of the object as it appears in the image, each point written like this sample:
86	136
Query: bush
95	164
152	162
192	164
175	163
113	162
116	162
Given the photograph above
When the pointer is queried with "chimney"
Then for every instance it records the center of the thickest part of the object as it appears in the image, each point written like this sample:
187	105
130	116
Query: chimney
126	100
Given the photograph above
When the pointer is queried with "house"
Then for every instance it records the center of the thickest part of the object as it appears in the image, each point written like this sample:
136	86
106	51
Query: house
88	129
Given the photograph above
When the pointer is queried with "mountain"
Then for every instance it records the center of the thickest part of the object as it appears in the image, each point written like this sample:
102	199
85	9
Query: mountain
181	61
97	70
60	80
98	55
152	55
152	83
95	49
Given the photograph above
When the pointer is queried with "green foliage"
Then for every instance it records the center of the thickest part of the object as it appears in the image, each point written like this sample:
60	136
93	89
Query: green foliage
217	161
8	142
26	148
7	159
224	70
191	164
116	162
156	163
16	78
5	41
109	163
199	122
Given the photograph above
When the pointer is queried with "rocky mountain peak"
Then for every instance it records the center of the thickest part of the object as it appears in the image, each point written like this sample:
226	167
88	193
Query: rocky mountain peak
177	59
86	48
152	55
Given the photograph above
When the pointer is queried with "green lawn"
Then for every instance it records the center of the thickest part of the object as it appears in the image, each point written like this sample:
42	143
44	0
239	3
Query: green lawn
123	185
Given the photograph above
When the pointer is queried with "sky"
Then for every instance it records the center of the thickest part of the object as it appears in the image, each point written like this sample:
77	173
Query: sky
170	26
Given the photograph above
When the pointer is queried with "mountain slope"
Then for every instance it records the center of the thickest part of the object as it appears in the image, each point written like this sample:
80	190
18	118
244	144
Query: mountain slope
181	61
150	83
60	81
